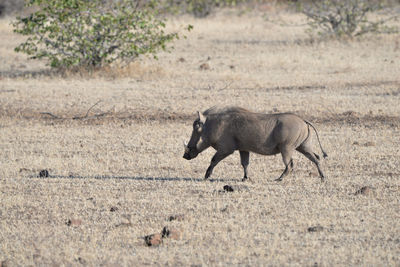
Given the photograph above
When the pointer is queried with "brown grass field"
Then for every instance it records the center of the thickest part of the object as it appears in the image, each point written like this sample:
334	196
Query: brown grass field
117	172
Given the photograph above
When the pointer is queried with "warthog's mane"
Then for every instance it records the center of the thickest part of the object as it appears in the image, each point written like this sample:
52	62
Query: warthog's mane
227	109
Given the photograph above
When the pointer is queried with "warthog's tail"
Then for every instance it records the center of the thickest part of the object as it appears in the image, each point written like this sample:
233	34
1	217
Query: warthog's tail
323	152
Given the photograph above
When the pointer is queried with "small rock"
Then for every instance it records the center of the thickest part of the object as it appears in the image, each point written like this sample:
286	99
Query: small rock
231	67
170	233
44	173
178	217
205	66
153	240
228	188
365	190
226	209
356	143
317	228
112	209
124	224
181	59
81	261
370	143
73	222
265	213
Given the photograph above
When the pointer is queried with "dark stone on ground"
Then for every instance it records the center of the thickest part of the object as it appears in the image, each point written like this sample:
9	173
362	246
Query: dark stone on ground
317	228
178	217
228	188
44	173
153	240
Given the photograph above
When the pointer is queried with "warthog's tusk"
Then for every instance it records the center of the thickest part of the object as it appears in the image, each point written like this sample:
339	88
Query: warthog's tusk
186	147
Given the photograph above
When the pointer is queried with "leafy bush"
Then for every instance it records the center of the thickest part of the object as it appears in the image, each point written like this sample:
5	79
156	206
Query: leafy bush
91	33
346	18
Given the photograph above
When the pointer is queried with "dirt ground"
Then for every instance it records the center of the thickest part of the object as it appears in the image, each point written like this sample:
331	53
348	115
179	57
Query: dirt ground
112	144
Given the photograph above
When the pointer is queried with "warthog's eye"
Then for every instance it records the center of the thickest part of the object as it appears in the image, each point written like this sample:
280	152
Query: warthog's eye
198	127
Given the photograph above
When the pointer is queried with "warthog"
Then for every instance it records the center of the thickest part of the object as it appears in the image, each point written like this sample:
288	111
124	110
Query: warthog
234	128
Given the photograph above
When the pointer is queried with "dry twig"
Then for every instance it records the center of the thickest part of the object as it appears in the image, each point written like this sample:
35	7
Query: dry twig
86	116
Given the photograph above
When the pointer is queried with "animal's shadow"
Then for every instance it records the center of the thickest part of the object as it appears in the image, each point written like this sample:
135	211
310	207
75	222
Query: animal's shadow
136	178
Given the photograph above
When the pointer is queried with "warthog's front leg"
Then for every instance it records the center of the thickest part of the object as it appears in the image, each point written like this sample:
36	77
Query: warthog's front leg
215	160
244	160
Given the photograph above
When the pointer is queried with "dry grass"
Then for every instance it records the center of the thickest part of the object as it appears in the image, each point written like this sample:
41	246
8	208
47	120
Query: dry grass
127	153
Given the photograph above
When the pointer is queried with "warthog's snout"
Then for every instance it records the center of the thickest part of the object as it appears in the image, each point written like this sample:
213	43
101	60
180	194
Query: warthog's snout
190	155
190	152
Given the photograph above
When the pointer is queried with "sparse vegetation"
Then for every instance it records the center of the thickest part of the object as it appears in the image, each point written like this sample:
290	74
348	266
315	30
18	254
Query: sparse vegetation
91	33
348	18
200	8
115	172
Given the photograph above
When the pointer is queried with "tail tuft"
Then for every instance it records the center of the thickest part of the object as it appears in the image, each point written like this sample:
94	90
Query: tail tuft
325	155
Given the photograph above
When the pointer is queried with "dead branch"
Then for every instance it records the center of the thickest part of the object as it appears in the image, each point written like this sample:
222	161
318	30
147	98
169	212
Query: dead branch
51	115
86	116
87	113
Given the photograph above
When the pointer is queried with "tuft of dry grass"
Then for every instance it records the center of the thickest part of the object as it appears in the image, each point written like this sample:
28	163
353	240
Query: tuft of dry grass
117	174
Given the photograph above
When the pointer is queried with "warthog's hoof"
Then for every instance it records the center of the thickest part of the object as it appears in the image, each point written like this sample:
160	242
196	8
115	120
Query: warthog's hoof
244	179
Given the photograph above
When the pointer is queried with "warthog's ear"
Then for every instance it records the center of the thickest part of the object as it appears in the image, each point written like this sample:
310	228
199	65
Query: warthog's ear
201	117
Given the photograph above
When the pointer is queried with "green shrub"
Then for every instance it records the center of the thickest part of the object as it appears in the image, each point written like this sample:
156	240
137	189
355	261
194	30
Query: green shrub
91	33
346	18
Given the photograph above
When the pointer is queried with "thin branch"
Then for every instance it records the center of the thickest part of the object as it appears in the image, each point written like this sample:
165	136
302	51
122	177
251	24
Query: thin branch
87	113
79	117
51	115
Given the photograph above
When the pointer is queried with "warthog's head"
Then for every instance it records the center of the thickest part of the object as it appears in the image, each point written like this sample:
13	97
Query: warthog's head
191	149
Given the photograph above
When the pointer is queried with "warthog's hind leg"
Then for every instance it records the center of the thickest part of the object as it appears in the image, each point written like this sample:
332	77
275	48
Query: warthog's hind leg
244	160
215	160
287	160
306	151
